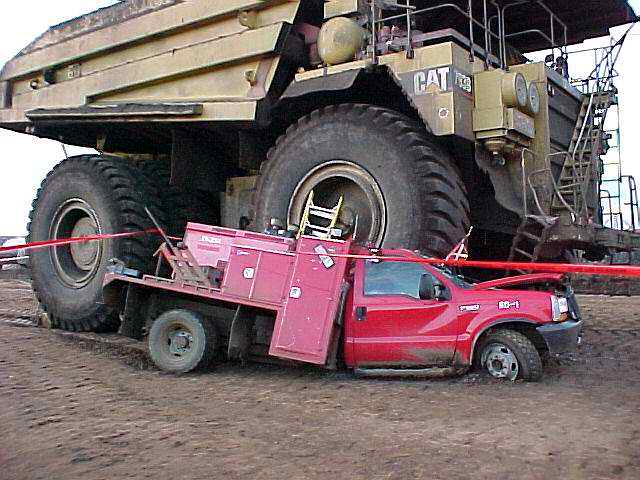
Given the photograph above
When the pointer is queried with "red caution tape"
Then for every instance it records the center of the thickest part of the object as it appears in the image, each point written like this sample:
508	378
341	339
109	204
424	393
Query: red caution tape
69	241
608	270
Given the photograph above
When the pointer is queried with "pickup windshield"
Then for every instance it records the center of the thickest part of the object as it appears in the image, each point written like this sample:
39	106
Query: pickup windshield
458	280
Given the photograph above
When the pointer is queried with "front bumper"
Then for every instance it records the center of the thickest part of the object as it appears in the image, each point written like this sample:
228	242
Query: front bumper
561	337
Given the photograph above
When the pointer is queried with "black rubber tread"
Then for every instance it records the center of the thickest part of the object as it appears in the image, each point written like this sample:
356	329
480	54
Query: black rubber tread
525	351
127	193
179	205
200	326
439	216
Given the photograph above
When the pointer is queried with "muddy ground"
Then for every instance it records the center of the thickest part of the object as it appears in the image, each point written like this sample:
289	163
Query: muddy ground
86	409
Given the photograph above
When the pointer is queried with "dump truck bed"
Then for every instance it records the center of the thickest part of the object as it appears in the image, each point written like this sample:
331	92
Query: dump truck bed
120	12
199	60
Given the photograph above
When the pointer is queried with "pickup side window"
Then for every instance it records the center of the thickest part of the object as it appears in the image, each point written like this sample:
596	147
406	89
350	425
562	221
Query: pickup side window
393	278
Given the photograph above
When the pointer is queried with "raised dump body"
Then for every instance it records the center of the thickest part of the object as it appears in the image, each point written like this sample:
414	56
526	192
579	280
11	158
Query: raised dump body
425	117
152	60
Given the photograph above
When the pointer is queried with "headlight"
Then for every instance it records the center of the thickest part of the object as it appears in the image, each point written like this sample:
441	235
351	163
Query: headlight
533	104
559	309
515	91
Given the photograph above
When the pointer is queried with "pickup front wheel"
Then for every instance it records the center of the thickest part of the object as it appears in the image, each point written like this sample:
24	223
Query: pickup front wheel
510	355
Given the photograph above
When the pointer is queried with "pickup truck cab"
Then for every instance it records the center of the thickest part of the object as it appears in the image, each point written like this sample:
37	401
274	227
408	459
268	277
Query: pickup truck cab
238	295
403	317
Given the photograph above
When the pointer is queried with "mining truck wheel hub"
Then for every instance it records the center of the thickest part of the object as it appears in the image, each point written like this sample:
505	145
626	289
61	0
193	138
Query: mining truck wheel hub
501	362
76	264
180	342
363	212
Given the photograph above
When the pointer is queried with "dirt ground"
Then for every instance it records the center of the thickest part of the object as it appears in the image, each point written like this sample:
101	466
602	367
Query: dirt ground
84	409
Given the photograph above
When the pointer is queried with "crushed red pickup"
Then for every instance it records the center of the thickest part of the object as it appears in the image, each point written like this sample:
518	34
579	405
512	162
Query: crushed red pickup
306	300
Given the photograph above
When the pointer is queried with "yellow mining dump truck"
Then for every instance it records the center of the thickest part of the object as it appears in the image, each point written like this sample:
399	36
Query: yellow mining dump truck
426	116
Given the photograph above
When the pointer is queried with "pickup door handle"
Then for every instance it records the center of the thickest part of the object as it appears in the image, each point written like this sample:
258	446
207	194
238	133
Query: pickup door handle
361	314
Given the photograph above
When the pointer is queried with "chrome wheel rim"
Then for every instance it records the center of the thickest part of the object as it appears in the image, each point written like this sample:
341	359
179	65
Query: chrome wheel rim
364	212
76	265
500	361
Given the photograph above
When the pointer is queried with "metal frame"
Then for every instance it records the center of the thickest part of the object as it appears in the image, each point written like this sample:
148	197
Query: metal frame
485	25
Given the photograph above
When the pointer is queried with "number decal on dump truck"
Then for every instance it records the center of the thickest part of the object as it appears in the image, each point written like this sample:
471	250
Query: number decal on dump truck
464	82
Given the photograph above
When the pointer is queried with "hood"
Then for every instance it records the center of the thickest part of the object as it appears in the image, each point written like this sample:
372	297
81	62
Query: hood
521	280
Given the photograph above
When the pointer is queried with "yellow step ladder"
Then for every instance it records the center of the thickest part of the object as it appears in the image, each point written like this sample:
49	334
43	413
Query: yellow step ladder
315	212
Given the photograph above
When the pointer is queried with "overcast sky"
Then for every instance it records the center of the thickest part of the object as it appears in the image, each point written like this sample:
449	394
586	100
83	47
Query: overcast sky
25	160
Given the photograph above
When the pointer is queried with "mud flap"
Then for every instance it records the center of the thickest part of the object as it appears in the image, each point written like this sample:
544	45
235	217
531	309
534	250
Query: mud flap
241	335
133	313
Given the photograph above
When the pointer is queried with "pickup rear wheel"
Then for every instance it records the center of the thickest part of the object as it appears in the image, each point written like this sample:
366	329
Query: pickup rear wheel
400	187
507	354
181	341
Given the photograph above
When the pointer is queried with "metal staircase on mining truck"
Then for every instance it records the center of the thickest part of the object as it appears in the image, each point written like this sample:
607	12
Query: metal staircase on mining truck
575	208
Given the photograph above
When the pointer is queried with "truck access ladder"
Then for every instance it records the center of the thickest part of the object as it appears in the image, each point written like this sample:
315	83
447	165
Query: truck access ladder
576	199
577	194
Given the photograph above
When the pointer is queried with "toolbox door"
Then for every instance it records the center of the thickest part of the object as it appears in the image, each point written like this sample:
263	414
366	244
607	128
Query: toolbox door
304	327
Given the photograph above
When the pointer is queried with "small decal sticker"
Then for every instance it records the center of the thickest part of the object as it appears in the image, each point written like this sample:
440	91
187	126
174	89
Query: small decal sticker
464	82
469	308
296	292
506	305
248	273
212	240
326	260
443	113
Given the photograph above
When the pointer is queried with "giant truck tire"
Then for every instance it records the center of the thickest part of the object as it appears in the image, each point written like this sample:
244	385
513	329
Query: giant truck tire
181	206
81	196
400	187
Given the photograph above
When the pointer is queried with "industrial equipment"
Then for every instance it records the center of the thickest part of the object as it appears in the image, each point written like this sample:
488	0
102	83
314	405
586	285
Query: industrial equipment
244	296
425	117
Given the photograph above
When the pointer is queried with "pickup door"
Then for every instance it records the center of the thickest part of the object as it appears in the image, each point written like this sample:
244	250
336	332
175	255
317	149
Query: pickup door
391	326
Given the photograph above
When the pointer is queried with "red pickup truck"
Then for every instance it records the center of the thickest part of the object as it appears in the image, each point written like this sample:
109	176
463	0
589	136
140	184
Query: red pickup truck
231	294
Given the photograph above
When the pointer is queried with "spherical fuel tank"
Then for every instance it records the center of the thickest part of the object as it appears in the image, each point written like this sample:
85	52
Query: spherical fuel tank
339	41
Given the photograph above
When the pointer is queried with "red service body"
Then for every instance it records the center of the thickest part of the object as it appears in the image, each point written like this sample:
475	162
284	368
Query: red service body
387	315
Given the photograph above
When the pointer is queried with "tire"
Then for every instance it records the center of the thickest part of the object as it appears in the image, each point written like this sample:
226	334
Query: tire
172	357
84	195
179	205
403	187
510	343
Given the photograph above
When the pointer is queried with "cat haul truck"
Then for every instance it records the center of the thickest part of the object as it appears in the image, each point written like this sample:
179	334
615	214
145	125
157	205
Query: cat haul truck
427	117
241	295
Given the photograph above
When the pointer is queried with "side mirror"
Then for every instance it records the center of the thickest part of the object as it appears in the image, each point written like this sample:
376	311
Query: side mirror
431	289
427	288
